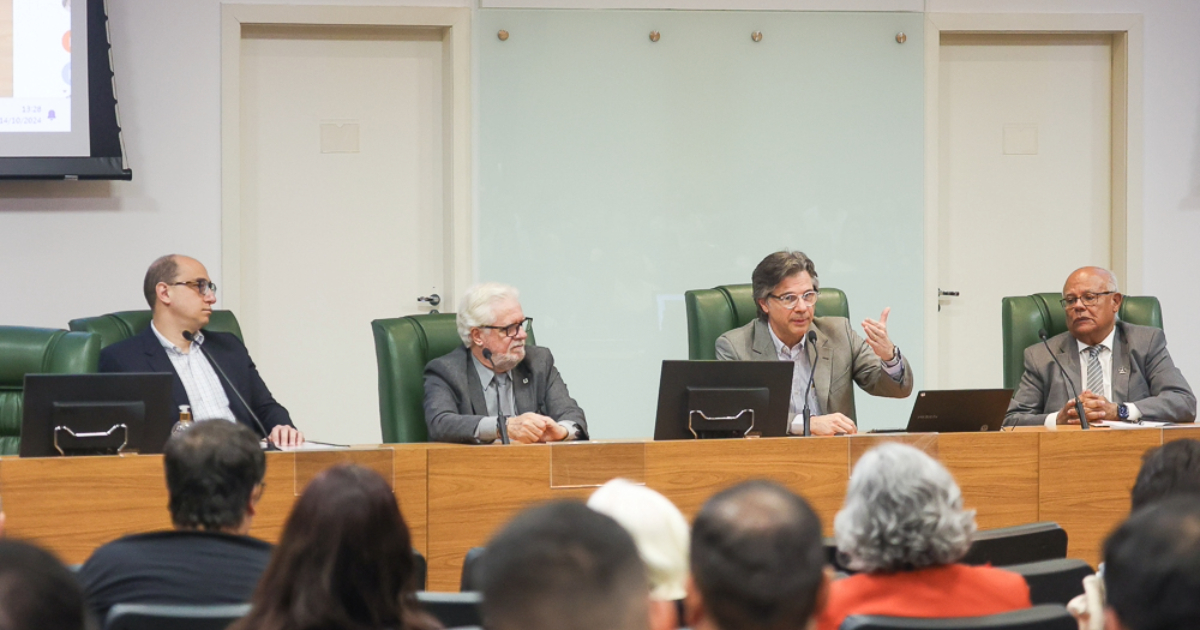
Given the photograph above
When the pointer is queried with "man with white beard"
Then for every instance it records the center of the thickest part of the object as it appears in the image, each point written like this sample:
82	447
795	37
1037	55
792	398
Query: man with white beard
495	378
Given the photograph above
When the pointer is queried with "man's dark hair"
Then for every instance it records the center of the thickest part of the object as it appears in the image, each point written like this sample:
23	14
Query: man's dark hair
563	565
164	269
1152	566
776	268
1173	468
212	470
757	558
37	591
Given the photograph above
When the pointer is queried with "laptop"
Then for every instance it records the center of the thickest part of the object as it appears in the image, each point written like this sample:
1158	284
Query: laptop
957	411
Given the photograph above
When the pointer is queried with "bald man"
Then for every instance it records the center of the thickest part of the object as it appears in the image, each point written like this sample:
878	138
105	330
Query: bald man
181	298
1124	370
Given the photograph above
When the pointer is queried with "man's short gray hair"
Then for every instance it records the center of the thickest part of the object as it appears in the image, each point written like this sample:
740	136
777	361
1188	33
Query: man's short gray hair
903	511
479	307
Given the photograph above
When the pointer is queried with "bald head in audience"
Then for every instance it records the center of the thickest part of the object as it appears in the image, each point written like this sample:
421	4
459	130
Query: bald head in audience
757	561
563	565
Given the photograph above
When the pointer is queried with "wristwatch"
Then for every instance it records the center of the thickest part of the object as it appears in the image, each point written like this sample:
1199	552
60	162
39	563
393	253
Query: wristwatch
1123	412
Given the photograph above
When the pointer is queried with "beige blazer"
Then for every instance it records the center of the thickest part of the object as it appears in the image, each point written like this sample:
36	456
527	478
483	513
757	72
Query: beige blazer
844	358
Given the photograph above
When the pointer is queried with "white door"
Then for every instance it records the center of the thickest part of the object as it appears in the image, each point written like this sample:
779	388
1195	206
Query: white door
1025	182
341	209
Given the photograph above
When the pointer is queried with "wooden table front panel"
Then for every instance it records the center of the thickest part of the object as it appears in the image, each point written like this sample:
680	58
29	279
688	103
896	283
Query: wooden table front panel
1084	482
998	475
689	472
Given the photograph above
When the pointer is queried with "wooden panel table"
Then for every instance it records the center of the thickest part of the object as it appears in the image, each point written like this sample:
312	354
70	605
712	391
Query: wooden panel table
456	497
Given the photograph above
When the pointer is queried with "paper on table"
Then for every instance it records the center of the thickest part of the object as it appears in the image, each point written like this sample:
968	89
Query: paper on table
1145	424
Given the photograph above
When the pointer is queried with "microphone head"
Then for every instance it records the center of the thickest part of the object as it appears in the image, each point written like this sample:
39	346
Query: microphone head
187	334
487	354
812	336
1042	334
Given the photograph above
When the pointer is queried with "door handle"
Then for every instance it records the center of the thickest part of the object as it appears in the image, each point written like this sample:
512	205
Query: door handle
942	294
433	299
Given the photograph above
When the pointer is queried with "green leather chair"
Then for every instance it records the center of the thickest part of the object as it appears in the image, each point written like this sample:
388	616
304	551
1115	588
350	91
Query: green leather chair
36	351
122	325
402	348
1023	316
713	312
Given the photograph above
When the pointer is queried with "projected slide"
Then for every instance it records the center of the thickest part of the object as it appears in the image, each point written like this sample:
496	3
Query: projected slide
35	66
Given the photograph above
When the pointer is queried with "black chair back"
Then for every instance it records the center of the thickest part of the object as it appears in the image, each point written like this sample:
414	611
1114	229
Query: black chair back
1047	617
1053	581
469	581
1018	545
173	617
453	609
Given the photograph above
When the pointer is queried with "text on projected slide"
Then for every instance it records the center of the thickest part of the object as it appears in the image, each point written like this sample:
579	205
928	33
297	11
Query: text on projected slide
39	92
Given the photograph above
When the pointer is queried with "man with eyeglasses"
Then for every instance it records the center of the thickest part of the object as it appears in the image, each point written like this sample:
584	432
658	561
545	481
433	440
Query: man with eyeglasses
494	379
1124	370
181	298
785	286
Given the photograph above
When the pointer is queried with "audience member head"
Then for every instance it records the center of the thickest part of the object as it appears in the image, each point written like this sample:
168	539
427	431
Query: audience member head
903	511
37	591
345	560
1152	567
1173	468
563	565
757	561
492	325
214	476
180	293
658	528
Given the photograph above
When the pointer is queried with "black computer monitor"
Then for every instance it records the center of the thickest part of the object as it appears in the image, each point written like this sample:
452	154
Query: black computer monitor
96	414
723	399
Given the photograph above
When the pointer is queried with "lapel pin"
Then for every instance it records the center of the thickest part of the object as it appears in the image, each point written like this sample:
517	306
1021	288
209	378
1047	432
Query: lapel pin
1122	371
525	381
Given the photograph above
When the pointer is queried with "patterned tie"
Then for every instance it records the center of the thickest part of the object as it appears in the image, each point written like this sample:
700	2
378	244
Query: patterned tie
1095	380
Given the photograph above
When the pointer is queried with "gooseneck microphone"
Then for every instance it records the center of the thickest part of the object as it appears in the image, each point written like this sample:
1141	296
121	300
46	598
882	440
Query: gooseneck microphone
1083	421
187	334
501	420
812	370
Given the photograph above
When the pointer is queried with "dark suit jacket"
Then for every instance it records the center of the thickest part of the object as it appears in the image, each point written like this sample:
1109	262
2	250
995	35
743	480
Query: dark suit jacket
844	359
144	353
454	395
1143	374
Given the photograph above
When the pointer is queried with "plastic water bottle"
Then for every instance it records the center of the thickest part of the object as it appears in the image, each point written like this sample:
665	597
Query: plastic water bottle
185	420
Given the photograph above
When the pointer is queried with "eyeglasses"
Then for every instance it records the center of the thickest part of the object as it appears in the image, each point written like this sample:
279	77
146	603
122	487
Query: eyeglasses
1088	299
204	287
790	300
514	329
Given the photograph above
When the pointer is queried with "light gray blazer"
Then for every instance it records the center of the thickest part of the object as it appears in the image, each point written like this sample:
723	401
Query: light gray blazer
844	358
1143	374
454	395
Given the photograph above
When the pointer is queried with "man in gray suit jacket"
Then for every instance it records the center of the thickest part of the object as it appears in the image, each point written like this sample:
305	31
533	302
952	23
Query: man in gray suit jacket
785	290
1126	373
496	378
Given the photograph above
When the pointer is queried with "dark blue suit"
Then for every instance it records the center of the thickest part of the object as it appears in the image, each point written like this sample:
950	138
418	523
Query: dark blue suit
144	353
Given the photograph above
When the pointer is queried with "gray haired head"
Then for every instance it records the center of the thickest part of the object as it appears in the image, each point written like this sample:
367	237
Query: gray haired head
903	511
478	307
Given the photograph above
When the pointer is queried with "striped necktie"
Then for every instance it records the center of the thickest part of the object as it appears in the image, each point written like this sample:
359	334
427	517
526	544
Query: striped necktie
1095	379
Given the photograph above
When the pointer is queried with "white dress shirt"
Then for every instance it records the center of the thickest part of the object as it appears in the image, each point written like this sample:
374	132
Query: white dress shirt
800	373
204	390
1106	359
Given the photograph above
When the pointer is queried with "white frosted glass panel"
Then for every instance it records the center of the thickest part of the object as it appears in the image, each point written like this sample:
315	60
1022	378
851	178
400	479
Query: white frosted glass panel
616	173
